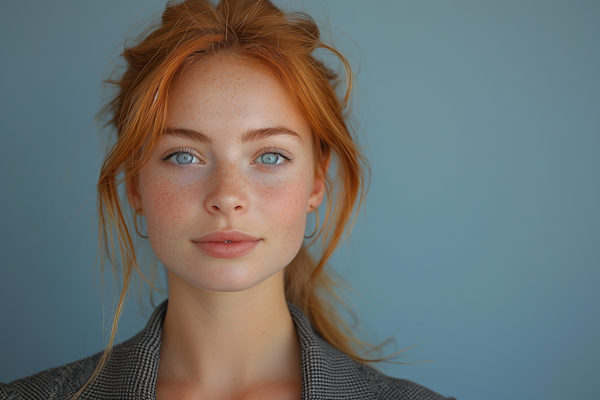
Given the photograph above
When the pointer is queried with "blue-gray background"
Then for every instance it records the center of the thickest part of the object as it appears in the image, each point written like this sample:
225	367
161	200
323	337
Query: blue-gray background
480	241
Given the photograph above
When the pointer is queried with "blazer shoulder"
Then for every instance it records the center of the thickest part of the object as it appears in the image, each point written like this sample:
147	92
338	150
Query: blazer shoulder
54	383
338	373
388	388
129	362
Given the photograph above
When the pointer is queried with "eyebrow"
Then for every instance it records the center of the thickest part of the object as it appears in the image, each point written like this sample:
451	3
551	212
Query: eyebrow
250	135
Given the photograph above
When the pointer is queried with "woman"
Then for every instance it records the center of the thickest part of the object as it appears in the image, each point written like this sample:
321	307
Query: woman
227	126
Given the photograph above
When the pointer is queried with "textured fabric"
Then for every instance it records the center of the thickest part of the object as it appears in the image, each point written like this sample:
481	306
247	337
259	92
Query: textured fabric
131	372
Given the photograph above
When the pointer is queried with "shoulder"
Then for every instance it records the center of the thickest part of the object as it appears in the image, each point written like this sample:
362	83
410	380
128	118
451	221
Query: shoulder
54	383
133	361
387	387
363	381
329	373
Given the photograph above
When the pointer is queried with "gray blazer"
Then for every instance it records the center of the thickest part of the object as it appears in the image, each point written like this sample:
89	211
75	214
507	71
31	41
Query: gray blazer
130	373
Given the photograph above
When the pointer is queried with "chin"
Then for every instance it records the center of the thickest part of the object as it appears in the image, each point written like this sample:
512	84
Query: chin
227	278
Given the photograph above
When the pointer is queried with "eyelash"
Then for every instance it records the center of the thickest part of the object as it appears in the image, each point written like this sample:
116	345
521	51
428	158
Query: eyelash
279	152
178	151
267	150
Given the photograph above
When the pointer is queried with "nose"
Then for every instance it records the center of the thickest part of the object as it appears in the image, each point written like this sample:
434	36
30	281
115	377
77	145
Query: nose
228	192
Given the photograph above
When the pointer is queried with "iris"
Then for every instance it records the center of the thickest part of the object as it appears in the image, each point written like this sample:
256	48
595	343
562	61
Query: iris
269	158
184	158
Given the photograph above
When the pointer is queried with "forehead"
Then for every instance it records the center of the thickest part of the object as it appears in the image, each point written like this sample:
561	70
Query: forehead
223	95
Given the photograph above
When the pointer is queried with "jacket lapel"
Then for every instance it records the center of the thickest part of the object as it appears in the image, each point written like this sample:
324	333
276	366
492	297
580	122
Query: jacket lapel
132	368
328	373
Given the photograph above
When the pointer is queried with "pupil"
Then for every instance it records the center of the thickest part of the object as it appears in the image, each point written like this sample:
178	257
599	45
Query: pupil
184	158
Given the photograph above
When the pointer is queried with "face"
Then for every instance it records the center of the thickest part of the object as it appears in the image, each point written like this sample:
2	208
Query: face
228	188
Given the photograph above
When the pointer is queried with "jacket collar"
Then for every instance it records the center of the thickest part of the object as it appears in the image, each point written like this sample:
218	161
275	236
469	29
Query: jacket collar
327	373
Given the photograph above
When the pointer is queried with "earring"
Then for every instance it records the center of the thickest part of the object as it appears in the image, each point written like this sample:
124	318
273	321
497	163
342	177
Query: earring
135	225
316	226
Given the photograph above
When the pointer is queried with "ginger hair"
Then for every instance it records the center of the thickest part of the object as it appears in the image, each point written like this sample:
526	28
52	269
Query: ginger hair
283	44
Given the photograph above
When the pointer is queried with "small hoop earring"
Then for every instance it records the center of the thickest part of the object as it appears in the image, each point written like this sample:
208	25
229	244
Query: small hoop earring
136	227
316	226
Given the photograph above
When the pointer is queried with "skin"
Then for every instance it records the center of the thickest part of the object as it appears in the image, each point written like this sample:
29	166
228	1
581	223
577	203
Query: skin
228	332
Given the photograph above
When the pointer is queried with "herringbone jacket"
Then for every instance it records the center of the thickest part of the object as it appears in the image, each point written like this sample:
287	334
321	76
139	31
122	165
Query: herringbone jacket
130	373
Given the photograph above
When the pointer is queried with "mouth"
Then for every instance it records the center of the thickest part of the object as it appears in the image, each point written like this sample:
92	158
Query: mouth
227	248
226	244
226	237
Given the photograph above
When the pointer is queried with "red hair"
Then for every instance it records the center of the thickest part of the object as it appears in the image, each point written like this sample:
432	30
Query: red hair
281	44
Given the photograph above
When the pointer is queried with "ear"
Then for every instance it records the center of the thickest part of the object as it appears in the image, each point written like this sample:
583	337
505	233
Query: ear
133	194
318	191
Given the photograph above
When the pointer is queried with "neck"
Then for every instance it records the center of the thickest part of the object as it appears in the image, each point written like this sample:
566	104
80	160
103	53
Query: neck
228	342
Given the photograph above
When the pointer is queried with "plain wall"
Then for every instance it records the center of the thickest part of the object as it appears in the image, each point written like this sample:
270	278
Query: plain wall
480	239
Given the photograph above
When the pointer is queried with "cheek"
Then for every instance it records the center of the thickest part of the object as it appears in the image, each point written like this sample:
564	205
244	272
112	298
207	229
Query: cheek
167	205
283	207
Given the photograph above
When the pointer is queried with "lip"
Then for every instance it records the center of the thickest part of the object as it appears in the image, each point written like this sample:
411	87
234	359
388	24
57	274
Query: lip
213	244
223	236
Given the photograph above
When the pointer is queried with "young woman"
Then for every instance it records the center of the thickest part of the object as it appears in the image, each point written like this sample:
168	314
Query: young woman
228	134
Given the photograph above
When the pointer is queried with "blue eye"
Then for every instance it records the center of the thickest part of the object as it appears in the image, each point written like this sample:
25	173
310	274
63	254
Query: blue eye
182	158
273	158
270	159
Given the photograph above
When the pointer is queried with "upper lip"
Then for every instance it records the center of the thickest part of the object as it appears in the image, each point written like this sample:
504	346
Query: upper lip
223	236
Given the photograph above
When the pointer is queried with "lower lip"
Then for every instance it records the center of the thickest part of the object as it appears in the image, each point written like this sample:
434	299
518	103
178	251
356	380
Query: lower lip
226	250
